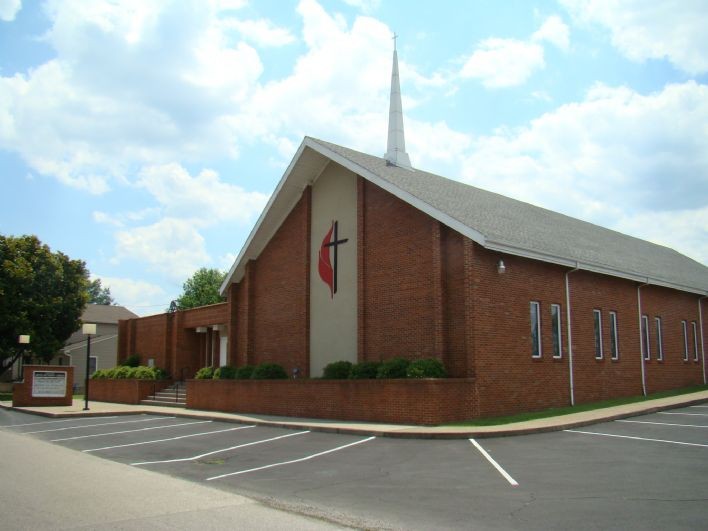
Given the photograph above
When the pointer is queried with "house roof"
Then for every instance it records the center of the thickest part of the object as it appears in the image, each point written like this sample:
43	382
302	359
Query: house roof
494	221
105	314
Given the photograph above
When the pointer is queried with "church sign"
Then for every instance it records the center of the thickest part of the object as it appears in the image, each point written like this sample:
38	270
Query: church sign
49	384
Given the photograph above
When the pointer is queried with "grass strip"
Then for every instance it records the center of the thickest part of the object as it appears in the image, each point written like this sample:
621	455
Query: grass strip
567	410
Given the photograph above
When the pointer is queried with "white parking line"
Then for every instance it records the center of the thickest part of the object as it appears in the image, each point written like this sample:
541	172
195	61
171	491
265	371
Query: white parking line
53	421
95	425
636	438
291	462
689	414
130	431
699	406
663	423
166	440
496	465
200	456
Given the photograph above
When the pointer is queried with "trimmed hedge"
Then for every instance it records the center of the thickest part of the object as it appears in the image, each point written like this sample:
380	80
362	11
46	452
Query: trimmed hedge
337	370
393	368
225	372
244	372
366	370
426	368
269	371
205	373
123	372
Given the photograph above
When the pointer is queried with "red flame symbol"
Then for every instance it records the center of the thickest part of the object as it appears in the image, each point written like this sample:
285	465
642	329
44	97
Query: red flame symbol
324	264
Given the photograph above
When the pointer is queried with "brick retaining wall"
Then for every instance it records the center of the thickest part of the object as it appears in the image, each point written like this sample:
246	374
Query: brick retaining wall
124	391
426	402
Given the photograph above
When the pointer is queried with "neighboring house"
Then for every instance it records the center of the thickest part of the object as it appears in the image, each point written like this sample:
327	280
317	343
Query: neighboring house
104	345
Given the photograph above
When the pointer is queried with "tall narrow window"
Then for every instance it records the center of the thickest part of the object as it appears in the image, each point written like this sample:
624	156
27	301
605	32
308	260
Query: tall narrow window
535	329
597	317
614	343
695	341
685	340
646	349
659	340
556	329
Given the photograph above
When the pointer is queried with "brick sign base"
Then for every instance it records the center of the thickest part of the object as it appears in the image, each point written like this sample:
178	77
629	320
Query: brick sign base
43	385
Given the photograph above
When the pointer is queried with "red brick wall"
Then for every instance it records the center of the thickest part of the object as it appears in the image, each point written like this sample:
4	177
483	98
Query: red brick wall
205	315
400	279
406	401
22	392
672	307
280	294
124	391
150	339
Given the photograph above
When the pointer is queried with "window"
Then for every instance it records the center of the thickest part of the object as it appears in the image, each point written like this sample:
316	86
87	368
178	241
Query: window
535	329
646	349
614	344
556	329
695	341
597	317
685	340
92	364
659	346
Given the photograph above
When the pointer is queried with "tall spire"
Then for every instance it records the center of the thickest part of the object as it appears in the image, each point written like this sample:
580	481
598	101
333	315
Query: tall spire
396	146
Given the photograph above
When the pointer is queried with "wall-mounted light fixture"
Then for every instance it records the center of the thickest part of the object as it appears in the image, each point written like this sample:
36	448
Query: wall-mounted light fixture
501	268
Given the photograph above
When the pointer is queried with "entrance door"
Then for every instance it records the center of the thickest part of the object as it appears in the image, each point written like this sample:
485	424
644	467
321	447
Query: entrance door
223	349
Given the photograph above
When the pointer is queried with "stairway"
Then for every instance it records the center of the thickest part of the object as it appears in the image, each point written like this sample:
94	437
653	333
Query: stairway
173	396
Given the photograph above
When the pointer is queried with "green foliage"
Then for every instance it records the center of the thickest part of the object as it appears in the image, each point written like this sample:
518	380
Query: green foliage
97	294
225	372
132	361
269	371
244	372
205	373
41	294
337	370
123	372
393	368
366	370
426	368
201	289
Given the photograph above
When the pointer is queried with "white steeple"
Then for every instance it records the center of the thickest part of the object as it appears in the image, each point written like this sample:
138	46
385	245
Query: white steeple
396	147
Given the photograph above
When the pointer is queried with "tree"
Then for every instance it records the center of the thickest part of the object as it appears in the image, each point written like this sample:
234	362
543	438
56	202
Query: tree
201	289
97	294
42	294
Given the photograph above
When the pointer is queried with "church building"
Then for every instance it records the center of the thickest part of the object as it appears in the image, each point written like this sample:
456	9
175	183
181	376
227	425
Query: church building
364	258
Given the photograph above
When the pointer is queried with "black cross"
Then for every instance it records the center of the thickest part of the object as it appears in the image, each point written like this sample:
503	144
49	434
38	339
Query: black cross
335	243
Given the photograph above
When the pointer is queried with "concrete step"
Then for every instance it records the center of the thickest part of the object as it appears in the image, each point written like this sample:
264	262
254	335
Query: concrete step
163	403
167	395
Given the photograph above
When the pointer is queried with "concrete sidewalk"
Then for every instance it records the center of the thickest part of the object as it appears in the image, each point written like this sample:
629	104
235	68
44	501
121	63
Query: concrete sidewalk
562	422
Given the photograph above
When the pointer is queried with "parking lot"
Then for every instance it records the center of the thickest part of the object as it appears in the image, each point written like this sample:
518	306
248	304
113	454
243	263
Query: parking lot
638	473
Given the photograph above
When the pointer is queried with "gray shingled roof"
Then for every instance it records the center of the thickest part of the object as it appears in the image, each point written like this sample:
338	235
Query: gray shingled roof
103	313
519	228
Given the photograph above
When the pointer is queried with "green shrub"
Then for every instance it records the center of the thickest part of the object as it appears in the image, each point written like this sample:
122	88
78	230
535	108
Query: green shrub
205	373
426	368
245	372
269	371
225	372
122	373
144	373
160	374
337	370
393	368
366	370
100	374
132	361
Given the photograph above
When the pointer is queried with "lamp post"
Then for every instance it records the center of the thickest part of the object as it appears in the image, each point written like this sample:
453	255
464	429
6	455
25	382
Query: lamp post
88	330
23	340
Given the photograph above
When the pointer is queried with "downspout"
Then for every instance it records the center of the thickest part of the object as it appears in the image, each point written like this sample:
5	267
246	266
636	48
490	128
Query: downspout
641	337
570	334
700	321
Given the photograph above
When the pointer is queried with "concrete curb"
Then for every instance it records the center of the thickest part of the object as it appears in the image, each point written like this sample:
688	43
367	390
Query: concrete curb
563	422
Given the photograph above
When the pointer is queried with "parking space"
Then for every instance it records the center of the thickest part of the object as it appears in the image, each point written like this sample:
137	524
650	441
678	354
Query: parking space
649	471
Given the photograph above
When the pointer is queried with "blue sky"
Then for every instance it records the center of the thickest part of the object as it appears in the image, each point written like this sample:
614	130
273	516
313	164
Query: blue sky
145	137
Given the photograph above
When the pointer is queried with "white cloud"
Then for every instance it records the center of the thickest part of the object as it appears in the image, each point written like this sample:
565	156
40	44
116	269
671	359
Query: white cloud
502	63
367	6
261	32
170	246
618	158
9	9
203	199
555	31
143	298
672	29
